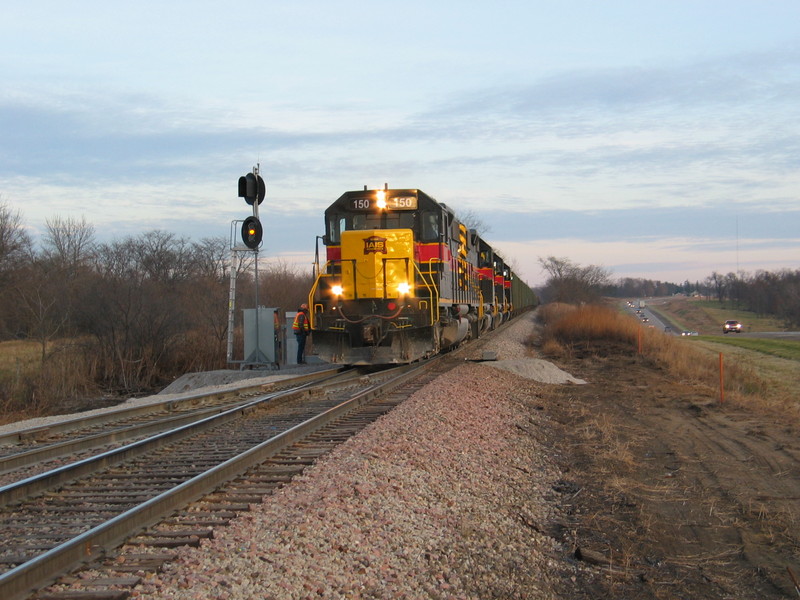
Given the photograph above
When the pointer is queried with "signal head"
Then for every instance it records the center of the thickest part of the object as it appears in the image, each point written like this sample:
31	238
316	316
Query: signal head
252	188
252	232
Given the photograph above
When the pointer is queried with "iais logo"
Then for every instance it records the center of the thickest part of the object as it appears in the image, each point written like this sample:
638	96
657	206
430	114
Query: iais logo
374	244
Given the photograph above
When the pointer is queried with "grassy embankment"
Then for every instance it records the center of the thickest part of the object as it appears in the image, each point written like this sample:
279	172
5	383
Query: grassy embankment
32	387
776	361
752	377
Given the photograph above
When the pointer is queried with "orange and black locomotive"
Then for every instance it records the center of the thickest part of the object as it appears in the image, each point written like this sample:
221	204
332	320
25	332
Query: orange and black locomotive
404	280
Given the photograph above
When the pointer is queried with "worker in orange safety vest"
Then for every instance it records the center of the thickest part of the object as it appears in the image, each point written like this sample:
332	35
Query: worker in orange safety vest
302	329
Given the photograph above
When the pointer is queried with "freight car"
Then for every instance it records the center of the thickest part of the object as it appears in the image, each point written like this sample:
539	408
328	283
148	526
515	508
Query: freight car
404	279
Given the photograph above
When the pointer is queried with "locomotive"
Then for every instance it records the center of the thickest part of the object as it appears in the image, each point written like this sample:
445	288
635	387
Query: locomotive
404	279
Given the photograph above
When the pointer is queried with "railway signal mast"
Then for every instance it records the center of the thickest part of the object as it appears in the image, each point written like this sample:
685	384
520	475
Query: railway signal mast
252	188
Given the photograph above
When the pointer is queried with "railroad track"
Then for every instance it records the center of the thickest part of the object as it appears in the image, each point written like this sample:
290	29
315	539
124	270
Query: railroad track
80	512
30	451
174	488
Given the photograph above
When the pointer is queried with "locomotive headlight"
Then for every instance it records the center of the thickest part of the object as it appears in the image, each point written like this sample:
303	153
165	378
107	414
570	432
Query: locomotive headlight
380	199
403	288
337	290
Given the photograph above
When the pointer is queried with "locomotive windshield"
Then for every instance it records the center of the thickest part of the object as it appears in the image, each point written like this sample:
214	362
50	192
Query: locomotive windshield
339	222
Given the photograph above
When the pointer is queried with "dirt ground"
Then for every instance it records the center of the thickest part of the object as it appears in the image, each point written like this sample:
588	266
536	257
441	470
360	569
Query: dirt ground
668	493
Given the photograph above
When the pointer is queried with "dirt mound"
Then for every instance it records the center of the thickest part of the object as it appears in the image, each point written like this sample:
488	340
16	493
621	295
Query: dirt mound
536	369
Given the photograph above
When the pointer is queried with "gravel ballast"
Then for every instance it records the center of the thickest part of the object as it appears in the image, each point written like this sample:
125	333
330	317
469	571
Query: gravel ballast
449	496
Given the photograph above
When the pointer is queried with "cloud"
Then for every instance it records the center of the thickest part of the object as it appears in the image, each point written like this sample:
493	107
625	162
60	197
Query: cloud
569	129
643	165
647	222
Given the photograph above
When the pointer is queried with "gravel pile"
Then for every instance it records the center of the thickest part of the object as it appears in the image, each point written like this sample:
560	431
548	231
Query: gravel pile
444	497
536	369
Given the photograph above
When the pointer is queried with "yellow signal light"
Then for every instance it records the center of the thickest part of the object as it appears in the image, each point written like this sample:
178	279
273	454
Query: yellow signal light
252	232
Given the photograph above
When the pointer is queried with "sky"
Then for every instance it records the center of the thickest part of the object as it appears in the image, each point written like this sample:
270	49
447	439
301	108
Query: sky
659	139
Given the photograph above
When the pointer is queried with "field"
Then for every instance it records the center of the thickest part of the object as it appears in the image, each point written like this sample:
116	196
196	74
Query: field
19	355
674	493
30	387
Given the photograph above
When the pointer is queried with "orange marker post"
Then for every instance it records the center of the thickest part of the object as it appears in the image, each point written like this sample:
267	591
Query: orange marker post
721	379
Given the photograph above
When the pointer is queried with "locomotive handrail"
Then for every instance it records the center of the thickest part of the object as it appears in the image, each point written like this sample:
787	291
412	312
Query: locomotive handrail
432	290
313	291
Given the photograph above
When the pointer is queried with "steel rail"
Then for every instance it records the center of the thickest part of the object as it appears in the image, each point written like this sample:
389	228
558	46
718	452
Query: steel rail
22	580
83	421
35	484
34	456
37	455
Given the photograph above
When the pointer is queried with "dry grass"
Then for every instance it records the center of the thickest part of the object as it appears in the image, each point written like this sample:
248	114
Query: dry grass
17	355
567	328
31	387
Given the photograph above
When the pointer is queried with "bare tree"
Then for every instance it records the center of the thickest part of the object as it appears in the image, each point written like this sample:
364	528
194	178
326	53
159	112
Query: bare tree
570	282
208	310
285	285
68	250
471	220
15	254
210	258
69	242
138	306
40	304
15	243
163	257
716	282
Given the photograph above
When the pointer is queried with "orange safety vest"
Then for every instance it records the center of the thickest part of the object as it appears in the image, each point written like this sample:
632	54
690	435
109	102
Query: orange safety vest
300	324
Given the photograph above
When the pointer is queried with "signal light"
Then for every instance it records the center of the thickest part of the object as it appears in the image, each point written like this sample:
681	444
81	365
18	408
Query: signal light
252	232
252	188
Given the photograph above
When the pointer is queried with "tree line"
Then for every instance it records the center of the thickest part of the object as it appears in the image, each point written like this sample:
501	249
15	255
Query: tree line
125	316
773	293
130	315
767	293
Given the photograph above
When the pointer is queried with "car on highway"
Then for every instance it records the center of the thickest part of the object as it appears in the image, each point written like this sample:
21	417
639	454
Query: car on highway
689	333
732	325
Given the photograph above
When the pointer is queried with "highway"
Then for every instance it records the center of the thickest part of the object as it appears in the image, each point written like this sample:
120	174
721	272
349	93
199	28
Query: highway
656	322
652	318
